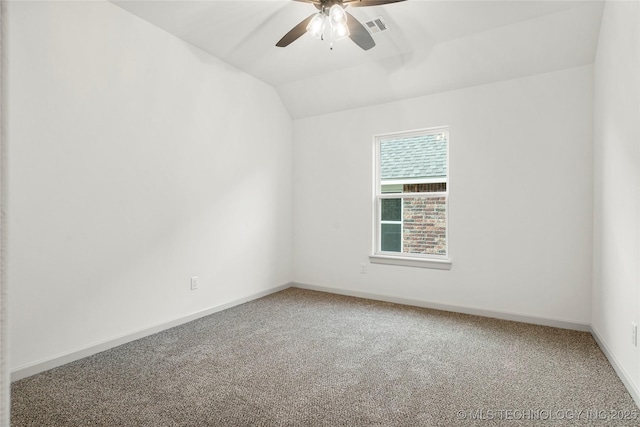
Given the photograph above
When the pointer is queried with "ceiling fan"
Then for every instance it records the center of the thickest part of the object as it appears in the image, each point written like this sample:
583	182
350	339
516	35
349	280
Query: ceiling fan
334	22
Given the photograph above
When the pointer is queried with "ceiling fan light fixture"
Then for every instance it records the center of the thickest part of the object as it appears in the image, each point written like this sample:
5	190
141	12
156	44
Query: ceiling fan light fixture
340	30
337	14
316	25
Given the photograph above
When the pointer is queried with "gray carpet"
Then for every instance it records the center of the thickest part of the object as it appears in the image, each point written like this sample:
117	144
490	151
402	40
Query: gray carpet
304	358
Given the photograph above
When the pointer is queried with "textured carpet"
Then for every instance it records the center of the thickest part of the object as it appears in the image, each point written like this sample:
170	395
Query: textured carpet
304	358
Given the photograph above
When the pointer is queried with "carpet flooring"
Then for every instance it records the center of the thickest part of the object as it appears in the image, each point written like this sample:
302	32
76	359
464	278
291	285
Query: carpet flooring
305	358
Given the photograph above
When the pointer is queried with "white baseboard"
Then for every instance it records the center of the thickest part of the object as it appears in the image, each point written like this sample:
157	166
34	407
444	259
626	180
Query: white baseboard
622	373
68	357
536	320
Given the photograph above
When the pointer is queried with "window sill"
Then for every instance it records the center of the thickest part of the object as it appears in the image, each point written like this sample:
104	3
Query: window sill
439	264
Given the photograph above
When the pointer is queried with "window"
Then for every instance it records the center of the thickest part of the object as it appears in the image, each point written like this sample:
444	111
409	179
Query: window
412	198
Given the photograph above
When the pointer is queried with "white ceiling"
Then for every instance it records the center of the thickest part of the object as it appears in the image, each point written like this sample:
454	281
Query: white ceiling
432	46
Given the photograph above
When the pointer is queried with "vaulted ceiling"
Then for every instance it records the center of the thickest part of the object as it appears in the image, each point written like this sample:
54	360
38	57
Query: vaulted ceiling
430	46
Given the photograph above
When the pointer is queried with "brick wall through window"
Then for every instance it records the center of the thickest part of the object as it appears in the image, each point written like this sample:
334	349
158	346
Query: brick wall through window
424	224
436	187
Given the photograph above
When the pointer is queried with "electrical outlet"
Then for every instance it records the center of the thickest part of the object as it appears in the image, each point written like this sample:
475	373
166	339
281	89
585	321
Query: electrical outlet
194	283
634	334
363	268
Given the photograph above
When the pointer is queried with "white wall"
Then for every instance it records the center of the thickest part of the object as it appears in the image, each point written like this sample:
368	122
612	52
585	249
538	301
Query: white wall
520	203
5	405
137	161
616	276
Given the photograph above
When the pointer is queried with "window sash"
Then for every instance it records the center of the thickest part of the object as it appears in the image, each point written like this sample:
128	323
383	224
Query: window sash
378	225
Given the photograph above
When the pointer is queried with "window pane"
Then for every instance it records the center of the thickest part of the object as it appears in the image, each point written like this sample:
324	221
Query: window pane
391	237
414	158
391	209
424	226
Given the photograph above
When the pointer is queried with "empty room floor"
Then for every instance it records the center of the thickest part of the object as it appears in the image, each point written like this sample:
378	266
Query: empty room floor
306	358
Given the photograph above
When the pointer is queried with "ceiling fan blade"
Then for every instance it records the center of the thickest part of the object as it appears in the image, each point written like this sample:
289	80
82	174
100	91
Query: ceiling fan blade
364	3
295	33
359	33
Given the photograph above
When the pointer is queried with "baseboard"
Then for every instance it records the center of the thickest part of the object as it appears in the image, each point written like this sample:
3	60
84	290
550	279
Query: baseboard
544	321
622	373
79	353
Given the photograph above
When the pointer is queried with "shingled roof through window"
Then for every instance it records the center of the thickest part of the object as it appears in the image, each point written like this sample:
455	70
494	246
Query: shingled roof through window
423	156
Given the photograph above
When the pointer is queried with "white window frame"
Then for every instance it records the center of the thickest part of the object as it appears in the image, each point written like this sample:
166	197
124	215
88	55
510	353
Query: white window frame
378	256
